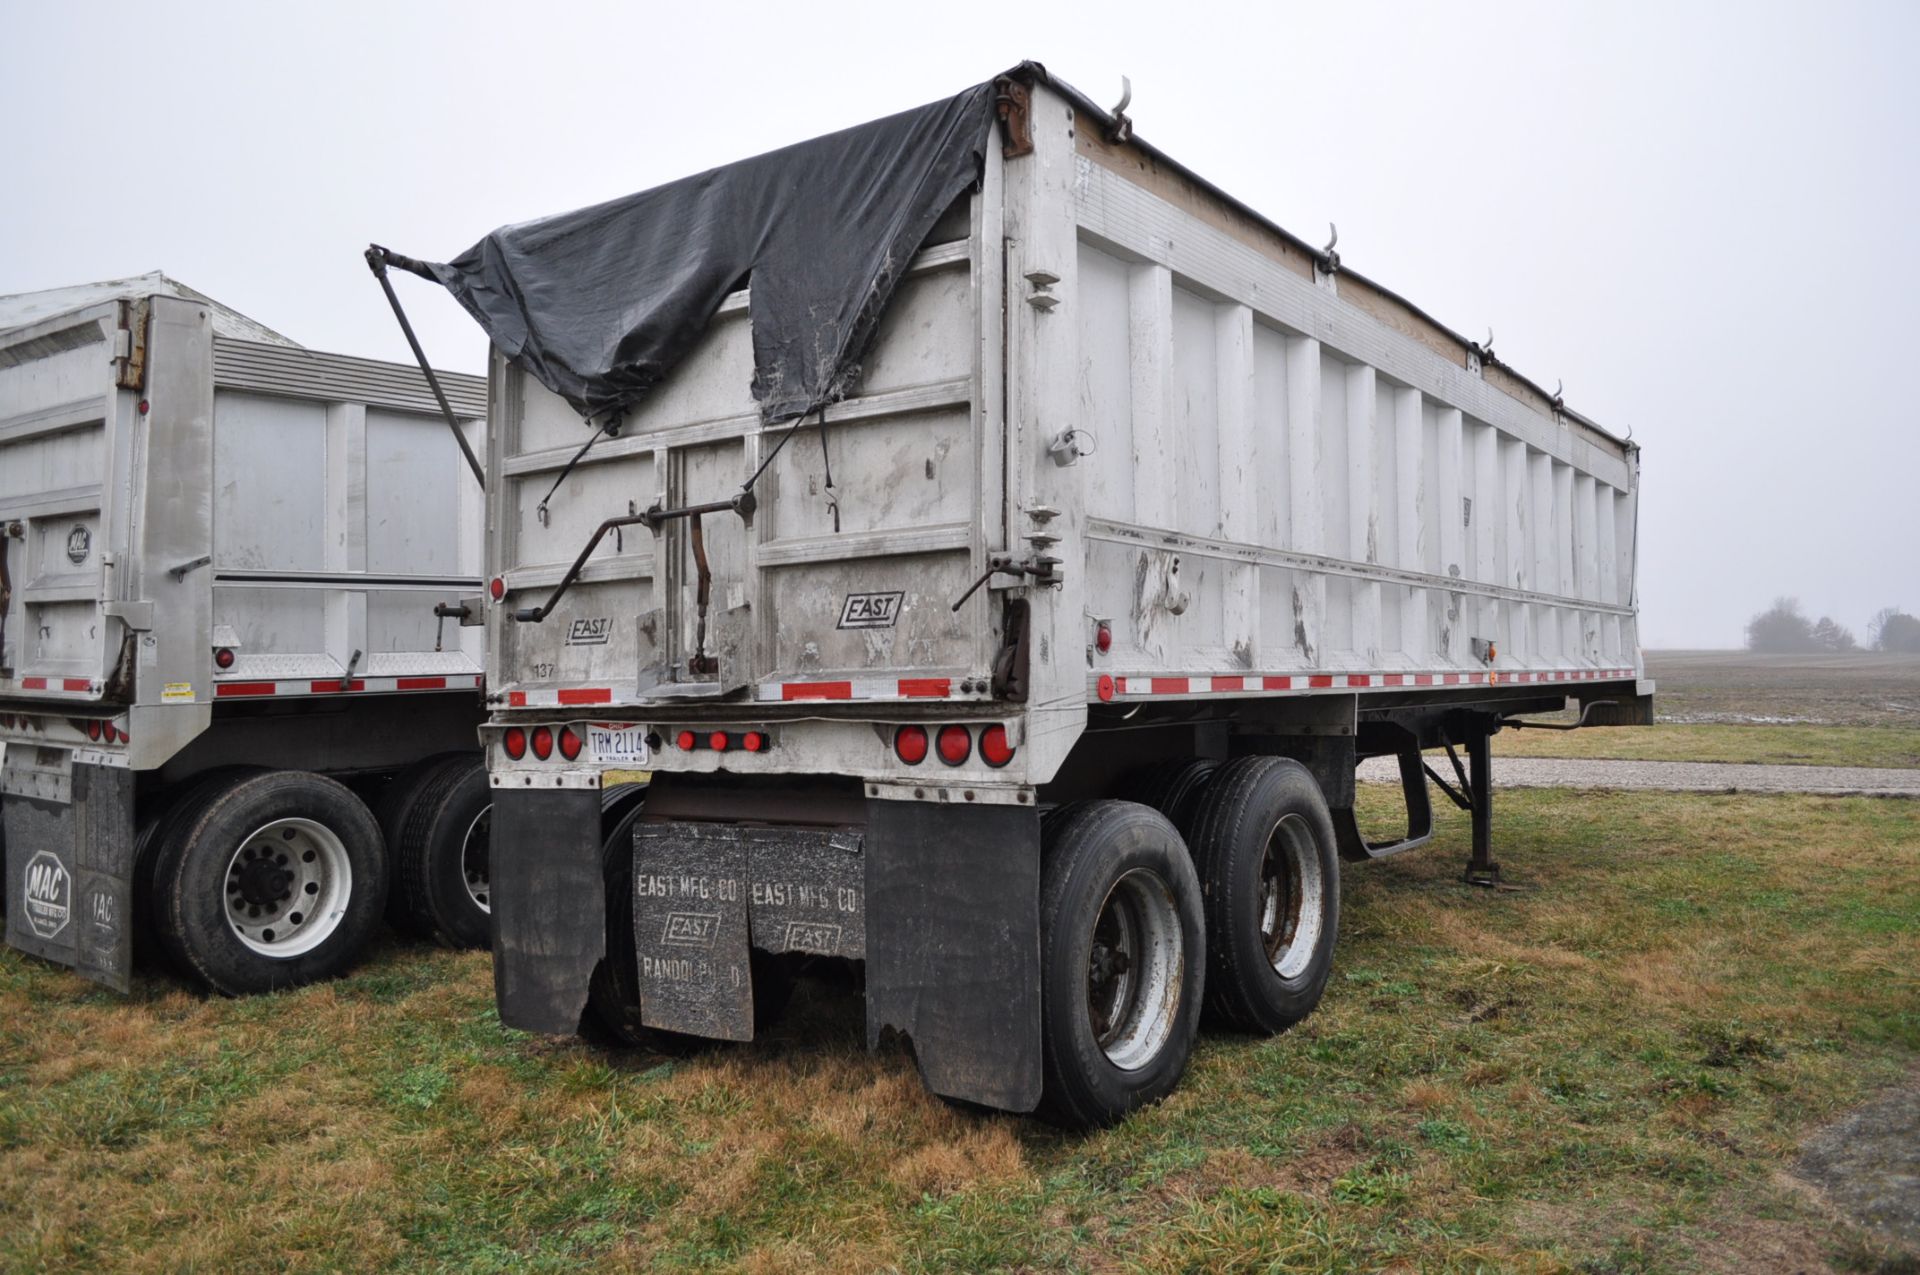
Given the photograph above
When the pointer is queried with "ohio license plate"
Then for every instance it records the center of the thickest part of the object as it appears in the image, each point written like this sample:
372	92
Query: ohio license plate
619	745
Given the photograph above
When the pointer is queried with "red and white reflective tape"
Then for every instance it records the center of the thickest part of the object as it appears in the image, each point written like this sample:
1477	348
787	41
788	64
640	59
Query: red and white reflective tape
824	691
51	685
564	697
858	688
1108	687
337	686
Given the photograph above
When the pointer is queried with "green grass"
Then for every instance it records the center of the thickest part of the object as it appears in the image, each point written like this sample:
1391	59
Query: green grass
1602	1071
1785	745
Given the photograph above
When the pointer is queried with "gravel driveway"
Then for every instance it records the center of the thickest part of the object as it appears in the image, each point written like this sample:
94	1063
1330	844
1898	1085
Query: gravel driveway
1677	776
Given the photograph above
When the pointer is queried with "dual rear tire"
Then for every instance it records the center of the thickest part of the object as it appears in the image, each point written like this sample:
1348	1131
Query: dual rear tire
1264	847
262	880
1121	959
1138	923
258	880
437	817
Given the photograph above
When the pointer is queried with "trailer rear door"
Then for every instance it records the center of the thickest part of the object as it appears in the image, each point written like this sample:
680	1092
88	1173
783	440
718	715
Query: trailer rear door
831	591
69	413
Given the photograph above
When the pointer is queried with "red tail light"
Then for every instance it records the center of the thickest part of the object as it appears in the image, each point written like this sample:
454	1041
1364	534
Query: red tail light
994	748
687	740
124	737
955	744
718	741
569	743
515	742
1103	637
223	658
754	741
93	729
910	744
543	742
496	588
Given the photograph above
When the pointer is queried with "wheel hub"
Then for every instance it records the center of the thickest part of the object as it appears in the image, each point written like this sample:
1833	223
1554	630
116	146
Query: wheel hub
1291	889
287	887
263	881
1133	970
475	871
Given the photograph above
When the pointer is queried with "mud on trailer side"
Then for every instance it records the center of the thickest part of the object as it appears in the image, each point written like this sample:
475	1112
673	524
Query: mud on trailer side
220	560
1026	653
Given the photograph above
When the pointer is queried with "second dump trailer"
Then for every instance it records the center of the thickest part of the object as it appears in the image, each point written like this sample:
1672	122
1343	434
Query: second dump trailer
235	696
1001	546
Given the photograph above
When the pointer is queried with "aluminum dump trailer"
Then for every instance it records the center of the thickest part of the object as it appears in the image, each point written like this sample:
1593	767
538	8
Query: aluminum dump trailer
1032	670
221	556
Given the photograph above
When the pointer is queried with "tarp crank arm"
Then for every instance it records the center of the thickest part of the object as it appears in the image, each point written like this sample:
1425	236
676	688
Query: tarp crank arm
742	504
378	259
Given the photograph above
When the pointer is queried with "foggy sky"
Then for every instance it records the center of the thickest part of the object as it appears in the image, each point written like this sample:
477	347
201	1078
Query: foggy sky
1705	220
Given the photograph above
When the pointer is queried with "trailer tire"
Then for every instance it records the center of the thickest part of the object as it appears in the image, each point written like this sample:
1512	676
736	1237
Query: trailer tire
1176	788
1122	970
170	809
1270	873
613	993
440	877
393	809
247	855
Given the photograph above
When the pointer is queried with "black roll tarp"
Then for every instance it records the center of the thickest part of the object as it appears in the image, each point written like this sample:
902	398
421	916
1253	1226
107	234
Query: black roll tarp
600	304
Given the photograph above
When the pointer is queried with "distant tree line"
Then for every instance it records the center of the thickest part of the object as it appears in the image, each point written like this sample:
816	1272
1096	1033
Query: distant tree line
1784	627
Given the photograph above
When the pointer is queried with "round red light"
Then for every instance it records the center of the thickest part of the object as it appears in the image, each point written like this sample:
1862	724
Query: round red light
754	742
687	739
718	741
1103	637
515	742
569	743
1106	688
93	729
497	588
955	744
994	748
910	744
124	737
543	742
223	657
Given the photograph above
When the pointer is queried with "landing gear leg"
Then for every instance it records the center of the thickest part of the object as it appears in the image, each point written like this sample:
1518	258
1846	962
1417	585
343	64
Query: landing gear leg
1481	869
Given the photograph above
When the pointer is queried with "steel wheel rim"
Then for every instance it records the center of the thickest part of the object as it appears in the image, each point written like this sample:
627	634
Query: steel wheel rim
1291	891
476	872
1134	964
287	887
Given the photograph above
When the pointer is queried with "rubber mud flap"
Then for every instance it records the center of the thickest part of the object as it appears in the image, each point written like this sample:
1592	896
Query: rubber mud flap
805	891
549	906
690	929
70	873
953	945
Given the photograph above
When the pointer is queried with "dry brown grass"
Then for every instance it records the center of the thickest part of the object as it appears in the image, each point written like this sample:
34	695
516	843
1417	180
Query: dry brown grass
1603	1068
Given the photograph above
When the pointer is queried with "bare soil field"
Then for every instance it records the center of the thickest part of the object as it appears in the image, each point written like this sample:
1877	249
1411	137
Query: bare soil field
1862	689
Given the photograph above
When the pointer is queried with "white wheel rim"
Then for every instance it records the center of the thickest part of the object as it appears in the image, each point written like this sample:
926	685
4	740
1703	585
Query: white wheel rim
287	887
1134	965
475	873
1292	894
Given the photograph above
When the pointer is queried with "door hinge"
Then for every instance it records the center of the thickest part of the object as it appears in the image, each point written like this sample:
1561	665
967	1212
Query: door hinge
1012	104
